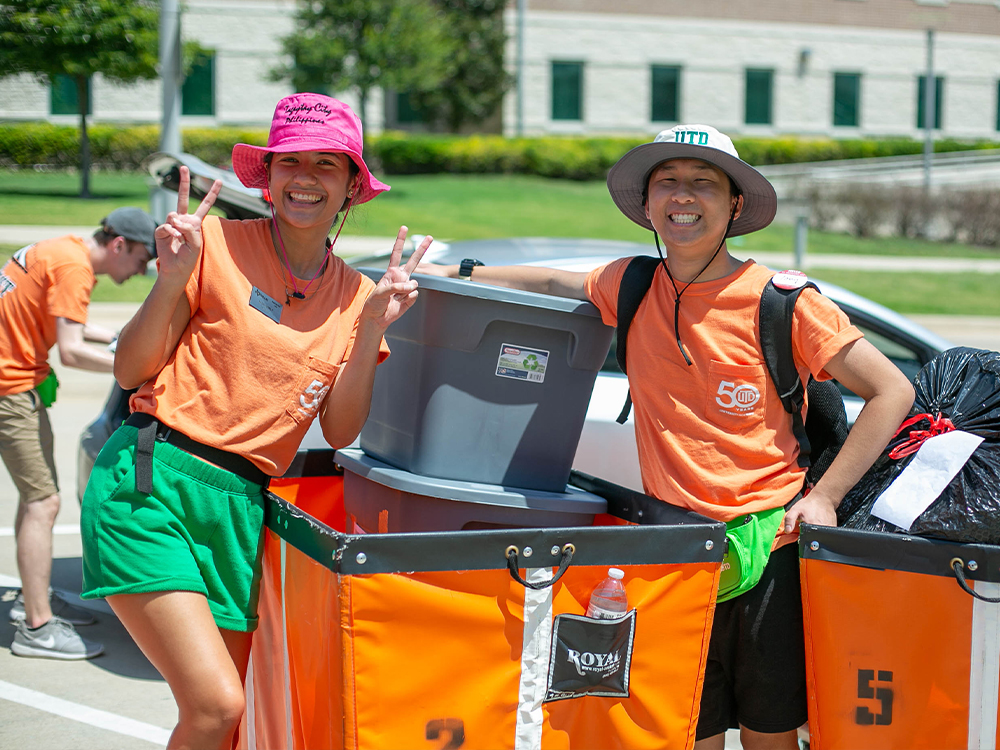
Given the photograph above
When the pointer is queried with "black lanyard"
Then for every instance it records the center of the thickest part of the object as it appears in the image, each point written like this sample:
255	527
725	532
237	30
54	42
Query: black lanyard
677	298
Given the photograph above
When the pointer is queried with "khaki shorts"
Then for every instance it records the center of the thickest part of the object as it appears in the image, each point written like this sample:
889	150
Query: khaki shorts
26	446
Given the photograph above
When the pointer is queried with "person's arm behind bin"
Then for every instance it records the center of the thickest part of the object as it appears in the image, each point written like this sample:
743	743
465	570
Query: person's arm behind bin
537	279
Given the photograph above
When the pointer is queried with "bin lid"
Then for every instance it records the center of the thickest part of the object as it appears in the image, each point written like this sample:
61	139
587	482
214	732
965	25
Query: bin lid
465	288
573	500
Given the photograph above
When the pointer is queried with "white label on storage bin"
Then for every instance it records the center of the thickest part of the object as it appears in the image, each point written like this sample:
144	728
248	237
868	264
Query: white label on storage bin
522	363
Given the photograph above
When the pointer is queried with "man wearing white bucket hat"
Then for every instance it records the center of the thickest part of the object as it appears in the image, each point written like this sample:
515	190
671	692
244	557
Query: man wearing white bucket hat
692	345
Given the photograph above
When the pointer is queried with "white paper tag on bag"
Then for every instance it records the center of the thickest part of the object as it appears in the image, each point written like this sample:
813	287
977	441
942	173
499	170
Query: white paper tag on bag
936	463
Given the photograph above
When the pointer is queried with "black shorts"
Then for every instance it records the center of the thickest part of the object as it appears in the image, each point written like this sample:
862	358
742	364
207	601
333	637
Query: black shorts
755	675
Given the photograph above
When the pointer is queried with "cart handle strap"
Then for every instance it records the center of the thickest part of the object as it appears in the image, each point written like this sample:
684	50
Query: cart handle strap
957	564
512	566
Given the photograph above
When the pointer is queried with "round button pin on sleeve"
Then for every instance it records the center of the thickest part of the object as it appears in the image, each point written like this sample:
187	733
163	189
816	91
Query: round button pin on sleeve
789	279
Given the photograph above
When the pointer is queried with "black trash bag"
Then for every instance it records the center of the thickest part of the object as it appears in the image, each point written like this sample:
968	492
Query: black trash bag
963	385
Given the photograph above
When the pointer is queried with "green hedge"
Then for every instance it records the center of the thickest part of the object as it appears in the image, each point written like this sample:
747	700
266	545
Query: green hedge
26	145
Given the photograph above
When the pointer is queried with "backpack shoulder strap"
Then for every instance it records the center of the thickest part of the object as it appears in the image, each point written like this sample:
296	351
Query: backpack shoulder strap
777	306
635	283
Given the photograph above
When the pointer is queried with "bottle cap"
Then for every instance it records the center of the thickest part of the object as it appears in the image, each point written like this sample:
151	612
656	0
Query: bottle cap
616	573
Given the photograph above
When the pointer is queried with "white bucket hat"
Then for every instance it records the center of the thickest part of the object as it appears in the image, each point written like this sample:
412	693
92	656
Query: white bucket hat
628	178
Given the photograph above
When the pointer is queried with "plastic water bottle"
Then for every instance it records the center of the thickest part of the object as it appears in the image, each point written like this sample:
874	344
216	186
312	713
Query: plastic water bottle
608	602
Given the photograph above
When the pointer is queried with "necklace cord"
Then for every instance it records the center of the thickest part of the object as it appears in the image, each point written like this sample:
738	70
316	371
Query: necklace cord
678	293
329	249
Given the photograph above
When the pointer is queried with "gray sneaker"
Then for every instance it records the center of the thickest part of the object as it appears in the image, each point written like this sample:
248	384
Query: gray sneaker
60	608
56	639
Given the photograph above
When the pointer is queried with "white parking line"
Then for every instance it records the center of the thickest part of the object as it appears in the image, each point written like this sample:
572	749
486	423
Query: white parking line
60	529
84	714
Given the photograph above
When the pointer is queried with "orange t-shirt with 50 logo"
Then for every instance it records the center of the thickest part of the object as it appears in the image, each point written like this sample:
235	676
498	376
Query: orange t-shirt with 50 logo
239	380
713	437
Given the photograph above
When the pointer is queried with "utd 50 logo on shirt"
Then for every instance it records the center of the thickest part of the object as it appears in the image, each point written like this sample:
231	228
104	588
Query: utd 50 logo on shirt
737	398
312	397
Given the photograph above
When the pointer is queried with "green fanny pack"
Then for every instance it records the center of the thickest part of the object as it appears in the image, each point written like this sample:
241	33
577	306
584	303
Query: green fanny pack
749	540
47	389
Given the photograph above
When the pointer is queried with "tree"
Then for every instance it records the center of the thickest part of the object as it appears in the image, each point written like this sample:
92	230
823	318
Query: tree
80	38
340	45
475	79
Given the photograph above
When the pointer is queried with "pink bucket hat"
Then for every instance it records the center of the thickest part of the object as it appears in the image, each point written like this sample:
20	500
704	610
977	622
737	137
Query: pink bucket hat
308	122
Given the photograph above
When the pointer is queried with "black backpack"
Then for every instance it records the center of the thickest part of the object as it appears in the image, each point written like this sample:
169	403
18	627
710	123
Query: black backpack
822	433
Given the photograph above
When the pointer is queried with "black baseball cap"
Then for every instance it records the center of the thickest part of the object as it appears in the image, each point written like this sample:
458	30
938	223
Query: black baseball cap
133	224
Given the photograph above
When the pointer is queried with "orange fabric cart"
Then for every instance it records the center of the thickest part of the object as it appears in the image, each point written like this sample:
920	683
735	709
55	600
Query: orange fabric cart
445	640
899	654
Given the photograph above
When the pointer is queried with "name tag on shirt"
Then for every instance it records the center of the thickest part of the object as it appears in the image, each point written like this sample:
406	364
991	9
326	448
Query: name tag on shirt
270	307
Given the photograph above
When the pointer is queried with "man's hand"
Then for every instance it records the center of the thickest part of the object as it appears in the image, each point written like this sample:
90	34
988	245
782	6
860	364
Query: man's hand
178	239
814	508
395	292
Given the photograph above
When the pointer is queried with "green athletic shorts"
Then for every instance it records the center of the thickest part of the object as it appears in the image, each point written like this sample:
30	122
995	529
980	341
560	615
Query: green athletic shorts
199	530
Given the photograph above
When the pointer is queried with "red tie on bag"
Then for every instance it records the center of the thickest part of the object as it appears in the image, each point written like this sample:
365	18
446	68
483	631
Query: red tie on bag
938	426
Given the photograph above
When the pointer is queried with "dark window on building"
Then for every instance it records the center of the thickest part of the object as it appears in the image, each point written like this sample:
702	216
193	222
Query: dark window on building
759	84
64	99
938	97
666	93
198	90
406	113
846	99
567	91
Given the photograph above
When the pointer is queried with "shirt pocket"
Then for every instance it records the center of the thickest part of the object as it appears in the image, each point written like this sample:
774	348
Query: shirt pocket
314	383
737	396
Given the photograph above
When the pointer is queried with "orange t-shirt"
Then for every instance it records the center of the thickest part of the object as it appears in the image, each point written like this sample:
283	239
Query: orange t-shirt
713	437
238	380
40	283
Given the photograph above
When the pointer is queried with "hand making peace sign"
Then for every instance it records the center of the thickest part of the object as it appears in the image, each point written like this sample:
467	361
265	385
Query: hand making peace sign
178	239
395	292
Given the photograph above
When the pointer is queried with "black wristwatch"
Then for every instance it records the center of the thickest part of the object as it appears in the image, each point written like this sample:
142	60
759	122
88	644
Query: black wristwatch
465	269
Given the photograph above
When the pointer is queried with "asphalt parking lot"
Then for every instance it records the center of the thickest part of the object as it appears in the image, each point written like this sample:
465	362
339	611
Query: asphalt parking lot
118	700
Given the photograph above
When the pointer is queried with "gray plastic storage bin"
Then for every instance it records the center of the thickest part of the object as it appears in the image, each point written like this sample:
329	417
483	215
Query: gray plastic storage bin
417	503
486	384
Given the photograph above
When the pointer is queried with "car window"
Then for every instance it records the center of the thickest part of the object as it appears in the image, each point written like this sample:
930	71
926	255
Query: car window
611	361
906	359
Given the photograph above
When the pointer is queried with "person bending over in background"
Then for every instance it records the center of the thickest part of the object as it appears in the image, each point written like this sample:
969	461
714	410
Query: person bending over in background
44	293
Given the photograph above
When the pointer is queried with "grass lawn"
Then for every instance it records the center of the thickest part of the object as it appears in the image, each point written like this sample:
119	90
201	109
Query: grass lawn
451	207
51	198
457	207
922	293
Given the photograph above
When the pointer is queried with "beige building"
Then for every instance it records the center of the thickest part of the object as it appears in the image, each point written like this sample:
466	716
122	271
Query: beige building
843	68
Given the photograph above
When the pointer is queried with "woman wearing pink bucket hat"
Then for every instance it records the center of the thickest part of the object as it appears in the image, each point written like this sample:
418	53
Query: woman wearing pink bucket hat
252	330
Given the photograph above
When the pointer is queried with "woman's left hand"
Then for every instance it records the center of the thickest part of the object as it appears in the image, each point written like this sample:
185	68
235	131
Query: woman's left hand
395	292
